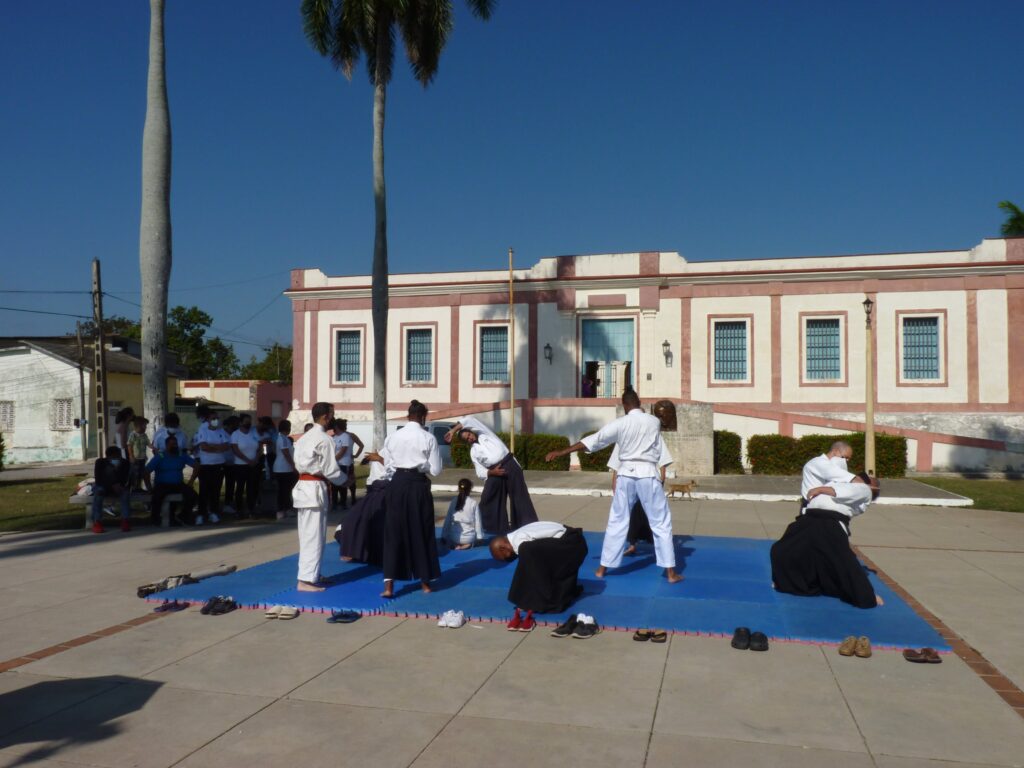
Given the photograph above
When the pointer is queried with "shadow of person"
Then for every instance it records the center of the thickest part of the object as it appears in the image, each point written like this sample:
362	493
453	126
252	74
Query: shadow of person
60	714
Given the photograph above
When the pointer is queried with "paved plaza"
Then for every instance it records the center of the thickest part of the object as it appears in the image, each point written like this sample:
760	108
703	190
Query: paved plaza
239	690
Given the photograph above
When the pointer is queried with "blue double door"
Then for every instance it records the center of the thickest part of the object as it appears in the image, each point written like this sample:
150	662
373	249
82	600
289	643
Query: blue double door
608	345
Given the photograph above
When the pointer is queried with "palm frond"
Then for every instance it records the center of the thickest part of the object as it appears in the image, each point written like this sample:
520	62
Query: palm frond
377	39
425	31
482	9
317	18
1014	224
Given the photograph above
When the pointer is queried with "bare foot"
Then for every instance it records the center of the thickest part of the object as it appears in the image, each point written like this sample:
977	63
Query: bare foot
305	586
425	587
346	558
630	550
389	589
879	600
672	576
600	572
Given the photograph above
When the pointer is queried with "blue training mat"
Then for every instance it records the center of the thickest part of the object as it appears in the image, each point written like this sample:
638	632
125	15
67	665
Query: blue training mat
727	584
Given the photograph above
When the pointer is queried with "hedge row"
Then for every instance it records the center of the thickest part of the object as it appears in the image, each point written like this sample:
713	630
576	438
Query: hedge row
594	462
530	451
782	455
728	453
2	450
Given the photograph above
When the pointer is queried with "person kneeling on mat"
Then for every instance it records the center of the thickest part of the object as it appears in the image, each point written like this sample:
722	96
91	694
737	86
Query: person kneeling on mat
545	581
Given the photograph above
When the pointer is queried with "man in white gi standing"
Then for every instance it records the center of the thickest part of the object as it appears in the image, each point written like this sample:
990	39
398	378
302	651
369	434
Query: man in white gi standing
638	437
318	469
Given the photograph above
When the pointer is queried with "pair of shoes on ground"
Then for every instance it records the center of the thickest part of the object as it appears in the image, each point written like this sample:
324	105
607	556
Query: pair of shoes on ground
923	656
579	625
521	623
452	619
97	527
856	646
213	518
654	635
170	606
282	612
219	605
745	640
343	617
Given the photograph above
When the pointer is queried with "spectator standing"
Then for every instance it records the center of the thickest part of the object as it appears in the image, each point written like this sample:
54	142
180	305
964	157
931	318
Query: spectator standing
213	445
138	450
171	427
122	426
111	479
245	446
353	448
168	469
284	469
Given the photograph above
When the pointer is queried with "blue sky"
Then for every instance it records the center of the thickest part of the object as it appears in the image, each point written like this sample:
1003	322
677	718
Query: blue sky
718	129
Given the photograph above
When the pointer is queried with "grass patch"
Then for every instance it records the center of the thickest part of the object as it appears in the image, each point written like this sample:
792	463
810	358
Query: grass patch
999	495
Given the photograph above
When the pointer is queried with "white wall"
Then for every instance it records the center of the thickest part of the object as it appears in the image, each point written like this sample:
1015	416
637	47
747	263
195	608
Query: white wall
557	378
759	361
993	344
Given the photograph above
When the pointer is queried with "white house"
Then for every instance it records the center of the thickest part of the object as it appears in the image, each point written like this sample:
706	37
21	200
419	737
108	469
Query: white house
776	345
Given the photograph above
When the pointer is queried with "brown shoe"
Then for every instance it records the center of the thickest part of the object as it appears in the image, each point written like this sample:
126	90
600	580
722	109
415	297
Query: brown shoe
863	648
848	646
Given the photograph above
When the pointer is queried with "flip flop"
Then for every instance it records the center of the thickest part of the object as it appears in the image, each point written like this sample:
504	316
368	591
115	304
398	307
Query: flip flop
930	656
175	606
758	641
643	635
659	636
288	612
915	657
274	612
741	639
848	646
343	617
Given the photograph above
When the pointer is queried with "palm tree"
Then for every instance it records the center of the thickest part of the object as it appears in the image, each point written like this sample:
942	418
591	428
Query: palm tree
155	223
1014	224
344	30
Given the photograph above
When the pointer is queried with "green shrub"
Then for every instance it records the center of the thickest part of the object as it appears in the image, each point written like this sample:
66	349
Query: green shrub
728	456
2	449
781	455
530	451
595	462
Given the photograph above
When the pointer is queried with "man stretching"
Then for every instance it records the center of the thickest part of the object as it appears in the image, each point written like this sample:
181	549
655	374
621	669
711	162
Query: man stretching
638	437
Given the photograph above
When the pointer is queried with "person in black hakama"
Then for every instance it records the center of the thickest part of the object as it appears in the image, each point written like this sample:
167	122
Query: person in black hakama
814	556
550	556
503	478
360	537
410	546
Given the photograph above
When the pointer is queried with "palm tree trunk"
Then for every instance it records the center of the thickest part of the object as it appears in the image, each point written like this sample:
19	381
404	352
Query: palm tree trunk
155	224
379	287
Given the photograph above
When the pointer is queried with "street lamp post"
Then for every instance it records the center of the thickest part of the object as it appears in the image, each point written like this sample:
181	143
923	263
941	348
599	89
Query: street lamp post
869	390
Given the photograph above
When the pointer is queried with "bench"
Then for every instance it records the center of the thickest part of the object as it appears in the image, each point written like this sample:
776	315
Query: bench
137	497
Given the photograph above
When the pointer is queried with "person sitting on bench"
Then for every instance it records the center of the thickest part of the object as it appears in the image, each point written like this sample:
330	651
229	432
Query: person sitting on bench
168	469
550	556
111	479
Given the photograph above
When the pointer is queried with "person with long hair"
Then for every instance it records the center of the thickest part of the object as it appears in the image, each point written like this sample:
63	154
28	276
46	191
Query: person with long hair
462	525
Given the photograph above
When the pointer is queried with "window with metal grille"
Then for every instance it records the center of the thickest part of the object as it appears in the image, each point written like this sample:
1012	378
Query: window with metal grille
419	354
349	356
731	350
822	358
61	414
6	415
494	353
921	348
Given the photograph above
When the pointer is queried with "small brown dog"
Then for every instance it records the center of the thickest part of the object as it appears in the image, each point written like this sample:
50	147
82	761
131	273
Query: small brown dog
683	488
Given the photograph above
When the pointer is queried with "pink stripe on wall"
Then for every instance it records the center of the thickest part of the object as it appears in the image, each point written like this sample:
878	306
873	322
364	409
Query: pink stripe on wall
566	270
1015	321
607	300
533	353
650	263
298	347
313	348
454	354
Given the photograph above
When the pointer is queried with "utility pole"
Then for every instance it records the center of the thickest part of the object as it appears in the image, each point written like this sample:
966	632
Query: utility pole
869	389
83	426
512	357
99	368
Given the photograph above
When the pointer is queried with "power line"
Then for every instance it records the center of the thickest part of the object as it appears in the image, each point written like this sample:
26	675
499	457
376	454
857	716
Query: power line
23	290
44	312
256	314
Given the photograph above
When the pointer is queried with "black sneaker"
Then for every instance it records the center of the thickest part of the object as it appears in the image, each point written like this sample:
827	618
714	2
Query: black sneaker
565	629
585	630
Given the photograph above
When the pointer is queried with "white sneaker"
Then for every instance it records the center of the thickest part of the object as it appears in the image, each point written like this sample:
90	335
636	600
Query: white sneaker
199	519
443	621
214	518
458	618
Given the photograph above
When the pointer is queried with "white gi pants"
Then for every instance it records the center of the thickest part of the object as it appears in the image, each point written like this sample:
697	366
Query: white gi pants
312	523
652	497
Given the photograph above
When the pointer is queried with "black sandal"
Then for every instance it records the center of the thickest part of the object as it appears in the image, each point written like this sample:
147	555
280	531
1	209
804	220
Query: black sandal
759	641
659	636
642	635
741	639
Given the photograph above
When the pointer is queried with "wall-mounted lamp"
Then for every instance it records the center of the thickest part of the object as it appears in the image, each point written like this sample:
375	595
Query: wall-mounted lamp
666	350
548	354
868	306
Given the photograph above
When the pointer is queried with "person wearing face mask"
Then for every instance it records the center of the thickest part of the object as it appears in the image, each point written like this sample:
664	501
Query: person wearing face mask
172	426
168	470
213	444
824	469
245	447
111	479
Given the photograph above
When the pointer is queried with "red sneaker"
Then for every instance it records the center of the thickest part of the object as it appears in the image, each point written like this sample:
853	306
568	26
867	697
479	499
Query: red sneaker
528	622
97	527
517	621
126	526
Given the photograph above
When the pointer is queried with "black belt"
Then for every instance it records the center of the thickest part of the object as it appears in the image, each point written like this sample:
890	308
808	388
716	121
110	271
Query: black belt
407	470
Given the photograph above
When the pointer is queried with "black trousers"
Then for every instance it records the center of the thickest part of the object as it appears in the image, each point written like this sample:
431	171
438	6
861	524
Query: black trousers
162	490
247	488
229	484
211	476
410	544
498	491
545	580
285	482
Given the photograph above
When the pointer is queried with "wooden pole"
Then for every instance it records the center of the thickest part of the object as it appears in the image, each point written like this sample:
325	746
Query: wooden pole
512	357
99	369
869	395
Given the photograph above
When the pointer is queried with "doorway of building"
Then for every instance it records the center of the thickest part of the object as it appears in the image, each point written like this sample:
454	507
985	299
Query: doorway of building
607	356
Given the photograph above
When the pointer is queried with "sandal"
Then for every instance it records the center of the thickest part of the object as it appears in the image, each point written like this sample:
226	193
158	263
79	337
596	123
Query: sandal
343	617
659	636
848	646
758	641
274	612
863	648
915	657
288	612
741	639
643	635
930	656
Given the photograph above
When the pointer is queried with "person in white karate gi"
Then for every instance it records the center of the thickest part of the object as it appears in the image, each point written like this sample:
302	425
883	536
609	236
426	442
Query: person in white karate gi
318	470
638	437
827	468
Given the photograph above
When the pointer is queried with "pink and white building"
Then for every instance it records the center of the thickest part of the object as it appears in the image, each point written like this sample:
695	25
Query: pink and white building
776	345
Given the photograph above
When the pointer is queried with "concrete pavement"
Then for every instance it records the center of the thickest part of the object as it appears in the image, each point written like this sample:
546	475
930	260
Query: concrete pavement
194	690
